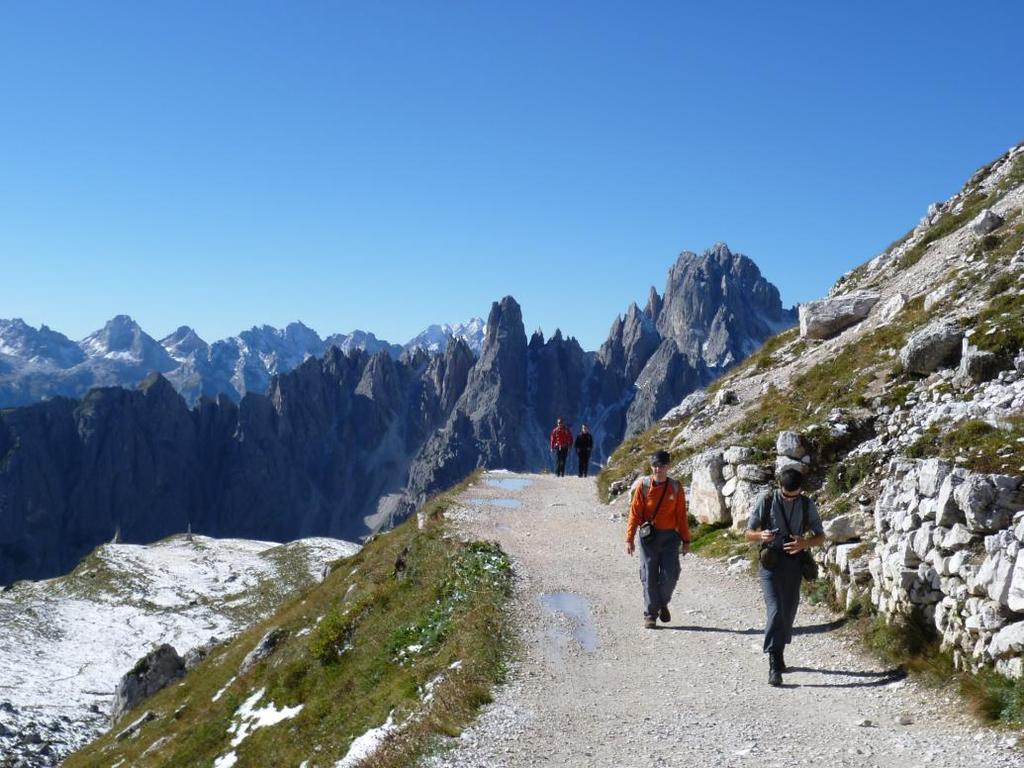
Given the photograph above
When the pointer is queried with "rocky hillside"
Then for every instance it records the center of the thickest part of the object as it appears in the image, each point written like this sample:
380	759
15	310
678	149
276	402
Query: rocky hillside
901	397
348	444
65	643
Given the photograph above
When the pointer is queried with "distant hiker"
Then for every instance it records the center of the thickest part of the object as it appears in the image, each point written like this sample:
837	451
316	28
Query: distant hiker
561	440
584	445
778	522
657	512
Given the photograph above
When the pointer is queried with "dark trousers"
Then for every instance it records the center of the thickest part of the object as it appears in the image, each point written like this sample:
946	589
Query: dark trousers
560	454
659	569
781	589
583	458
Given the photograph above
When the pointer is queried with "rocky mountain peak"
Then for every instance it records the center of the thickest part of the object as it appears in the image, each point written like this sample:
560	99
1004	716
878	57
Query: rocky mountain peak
20	340
121	339
183	343
718	307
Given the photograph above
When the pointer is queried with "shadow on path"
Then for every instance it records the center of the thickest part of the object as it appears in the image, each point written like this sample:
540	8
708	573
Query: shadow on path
869	679
820	629
723	630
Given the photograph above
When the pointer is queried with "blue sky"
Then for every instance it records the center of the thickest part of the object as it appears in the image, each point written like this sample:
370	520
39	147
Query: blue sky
386	166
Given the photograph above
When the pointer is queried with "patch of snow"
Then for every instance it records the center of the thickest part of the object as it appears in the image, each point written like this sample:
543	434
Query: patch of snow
225	761
249	719
220	693
364	746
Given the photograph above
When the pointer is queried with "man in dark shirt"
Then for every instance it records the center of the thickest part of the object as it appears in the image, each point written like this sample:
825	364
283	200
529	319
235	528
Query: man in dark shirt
778	522
584	445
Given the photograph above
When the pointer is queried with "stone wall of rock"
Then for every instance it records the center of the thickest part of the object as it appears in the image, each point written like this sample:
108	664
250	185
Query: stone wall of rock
946	546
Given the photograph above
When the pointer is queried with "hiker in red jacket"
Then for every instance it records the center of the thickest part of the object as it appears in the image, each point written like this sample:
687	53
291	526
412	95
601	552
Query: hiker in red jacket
561	440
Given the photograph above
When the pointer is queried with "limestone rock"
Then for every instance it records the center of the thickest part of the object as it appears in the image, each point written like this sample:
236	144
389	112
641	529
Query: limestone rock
752	473
994	578
985	222
976	366
743	500
892	307
738	454
958	537
930	476
784	462
790	444
976	498
725	396
150	674
706	501
1015	597
947	513
928	348
825	318
264	648
1008	641
848	527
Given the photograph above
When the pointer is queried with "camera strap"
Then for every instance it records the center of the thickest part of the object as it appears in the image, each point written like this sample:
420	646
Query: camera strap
660	499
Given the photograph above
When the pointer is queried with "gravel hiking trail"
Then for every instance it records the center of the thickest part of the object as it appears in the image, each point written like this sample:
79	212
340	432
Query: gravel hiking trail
591	687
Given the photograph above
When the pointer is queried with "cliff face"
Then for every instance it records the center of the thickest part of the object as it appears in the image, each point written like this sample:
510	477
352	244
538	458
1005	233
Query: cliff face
349	443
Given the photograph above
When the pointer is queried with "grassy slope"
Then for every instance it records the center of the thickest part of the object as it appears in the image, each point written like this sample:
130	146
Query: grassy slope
344	660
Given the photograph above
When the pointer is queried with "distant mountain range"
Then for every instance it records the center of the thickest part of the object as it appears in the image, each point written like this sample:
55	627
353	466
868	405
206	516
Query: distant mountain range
36	364
351	442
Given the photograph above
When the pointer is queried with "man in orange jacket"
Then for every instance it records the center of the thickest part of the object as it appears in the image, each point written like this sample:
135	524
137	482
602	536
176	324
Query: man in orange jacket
561	440
658	511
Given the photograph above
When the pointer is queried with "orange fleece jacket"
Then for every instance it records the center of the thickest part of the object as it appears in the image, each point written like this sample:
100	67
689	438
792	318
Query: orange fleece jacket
671	513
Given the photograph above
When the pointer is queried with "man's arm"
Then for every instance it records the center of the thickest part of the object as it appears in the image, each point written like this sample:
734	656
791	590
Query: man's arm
633	519
682	521
754	524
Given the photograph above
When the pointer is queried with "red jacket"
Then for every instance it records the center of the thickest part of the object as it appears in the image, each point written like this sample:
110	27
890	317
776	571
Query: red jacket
561	437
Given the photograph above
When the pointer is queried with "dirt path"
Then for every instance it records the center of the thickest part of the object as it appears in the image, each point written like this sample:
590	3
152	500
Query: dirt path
593	688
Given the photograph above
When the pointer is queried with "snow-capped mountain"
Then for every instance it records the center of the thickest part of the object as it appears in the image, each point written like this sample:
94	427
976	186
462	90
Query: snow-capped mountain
37	364
21	341
436	337
65	642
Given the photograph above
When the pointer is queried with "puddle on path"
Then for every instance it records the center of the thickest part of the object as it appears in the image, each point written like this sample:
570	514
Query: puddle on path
509	484
577	610
508	503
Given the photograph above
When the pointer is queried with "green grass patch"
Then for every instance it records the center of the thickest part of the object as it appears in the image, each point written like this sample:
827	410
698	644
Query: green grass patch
995	698
1000	324
843	476
980	446
360	646
718	542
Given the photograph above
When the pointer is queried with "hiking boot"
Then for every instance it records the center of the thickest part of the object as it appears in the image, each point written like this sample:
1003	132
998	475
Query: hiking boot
650	622
664	615
780	662
774	673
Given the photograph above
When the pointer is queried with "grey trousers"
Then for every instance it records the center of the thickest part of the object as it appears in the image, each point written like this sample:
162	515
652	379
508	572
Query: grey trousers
659	569
781	589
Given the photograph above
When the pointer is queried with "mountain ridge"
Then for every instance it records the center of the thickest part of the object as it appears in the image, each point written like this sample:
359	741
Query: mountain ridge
40	363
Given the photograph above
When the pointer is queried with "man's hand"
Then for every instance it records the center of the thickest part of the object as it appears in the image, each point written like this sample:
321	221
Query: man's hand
766	536
630	546
684	548
795	546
